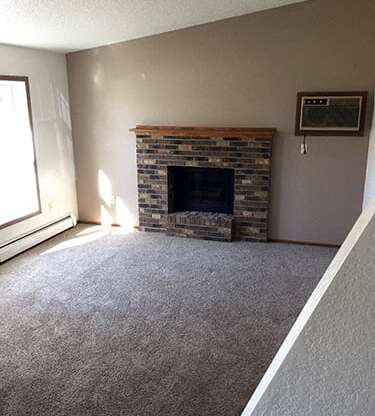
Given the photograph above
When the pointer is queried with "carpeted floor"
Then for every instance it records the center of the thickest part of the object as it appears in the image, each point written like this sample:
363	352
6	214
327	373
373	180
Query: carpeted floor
100	322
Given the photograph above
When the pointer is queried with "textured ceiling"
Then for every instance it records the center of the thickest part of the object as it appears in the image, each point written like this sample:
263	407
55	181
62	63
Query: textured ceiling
67	25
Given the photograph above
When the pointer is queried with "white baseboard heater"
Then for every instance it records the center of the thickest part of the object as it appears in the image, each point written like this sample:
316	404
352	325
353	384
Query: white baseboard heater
25	241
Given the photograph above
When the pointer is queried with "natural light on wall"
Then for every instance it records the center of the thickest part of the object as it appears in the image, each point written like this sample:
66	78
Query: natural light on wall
18	176
113	210
123	215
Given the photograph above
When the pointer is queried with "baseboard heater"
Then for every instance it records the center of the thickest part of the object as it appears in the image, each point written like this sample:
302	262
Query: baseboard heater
25	241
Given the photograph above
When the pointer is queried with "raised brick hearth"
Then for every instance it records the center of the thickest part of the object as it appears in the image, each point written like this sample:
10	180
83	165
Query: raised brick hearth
247	151
206	225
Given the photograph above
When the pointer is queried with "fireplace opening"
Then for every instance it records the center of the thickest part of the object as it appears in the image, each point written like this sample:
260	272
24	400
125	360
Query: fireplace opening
200	189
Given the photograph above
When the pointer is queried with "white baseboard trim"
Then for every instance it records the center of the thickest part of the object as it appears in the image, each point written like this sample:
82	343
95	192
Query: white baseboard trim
26	241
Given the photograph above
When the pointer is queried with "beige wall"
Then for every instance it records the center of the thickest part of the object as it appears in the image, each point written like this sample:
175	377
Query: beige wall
239	72
370	171
52	131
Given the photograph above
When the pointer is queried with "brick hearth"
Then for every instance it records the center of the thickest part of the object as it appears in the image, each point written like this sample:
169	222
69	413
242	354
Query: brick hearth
246	150
205	225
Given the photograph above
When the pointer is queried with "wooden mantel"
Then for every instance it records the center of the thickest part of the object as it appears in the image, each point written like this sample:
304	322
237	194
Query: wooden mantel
255	133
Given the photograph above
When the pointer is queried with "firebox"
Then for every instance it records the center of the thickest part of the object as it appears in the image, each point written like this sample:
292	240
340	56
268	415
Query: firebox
200	189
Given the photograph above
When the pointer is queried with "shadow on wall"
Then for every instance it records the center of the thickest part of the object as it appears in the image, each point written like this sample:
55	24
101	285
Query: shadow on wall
112	209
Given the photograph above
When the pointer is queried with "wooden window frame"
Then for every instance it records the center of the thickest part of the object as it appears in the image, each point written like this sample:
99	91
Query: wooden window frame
25	80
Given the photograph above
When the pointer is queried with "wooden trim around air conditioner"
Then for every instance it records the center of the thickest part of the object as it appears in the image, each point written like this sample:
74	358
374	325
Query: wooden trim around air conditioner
359	132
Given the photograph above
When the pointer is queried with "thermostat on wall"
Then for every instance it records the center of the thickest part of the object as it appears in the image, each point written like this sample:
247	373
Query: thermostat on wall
331	114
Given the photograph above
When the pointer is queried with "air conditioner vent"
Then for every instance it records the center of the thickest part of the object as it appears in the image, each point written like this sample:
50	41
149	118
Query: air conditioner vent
331	114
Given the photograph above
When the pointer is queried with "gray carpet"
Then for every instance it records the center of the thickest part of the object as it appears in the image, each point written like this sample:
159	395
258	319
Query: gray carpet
106	323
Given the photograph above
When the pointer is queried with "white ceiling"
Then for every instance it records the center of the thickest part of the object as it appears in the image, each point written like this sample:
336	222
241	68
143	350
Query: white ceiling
68	25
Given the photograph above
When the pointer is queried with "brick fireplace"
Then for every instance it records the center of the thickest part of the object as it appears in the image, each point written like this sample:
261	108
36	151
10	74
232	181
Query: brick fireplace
210	183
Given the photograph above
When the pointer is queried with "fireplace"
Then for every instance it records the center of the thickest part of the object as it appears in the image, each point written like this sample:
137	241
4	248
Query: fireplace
200	189
202	182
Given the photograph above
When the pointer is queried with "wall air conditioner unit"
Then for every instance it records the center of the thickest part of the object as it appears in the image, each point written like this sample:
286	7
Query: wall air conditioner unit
331	114
22	243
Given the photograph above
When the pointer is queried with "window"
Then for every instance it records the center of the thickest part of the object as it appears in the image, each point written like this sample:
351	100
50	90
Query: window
19	188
